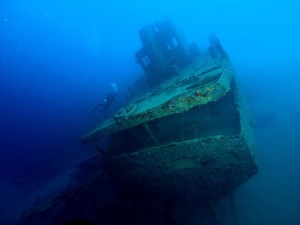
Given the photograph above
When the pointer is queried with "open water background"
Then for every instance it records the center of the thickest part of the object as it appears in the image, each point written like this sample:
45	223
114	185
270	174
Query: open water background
58	58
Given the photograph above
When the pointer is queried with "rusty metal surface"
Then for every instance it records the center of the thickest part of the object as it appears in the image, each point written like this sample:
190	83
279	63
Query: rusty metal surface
202	82
194	170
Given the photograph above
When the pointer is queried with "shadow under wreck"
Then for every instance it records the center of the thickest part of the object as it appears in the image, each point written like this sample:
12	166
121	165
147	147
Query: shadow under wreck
186	134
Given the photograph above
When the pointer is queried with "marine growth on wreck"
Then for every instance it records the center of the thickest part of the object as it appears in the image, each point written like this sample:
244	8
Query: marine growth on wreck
186	134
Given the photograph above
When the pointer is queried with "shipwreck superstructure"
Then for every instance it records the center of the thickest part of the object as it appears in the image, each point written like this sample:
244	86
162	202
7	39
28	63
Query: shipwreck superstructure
187	132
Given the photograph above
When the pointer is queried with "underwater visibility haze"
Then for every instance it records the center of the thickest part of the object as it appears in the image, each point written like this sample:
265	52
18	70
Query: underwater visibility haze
60	59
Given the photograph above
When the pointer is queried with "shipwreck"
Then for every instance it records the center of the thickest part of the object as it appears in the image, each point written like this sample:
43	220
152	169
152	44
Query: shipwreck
186	132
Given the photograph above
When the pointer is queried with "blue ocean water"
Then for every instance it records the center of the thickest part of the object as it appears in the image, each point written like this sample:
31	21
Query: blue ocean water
58	59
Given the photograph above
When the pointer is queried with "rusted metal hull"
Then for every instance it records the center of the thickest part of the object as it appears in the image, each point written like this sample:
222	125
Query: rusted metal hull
208	152
189	135
202	169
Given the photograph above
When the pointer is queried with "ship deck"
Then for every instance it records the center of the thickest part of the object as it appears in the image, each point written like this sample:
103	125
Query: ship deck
203	81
